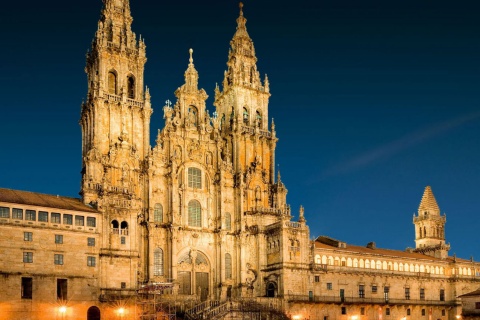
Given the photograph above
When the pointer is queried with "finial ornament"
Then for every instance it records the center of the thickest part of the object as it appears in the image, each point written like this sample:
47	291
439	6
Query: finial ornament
191	55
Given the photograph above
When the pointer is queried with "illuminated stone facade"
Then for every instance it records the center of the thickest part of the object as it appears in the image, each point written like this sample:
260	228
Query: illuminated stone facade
203	210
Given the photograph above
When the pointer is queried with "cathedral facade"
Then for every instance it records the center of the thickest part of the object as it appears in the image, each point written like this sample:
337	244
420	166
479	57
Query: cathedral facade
202	213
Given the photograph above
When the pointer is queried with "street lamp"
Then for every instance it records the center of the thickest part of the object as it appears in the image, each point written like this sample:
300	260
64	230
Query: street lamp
458	316
62	310
354	317
121	312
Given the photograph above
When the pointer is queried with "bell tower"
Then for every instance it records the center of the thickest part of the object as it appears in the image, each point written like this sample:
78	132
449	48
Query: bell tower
115	122
430	227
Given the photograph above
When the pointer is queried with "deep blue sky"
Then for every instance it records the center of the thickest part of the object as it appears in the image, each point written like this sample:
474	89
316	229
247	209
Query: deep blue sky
373	100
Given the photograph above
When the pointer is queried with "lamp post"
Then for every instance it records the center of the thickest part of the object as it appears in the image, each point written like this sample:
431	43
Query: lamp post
63	311
121	312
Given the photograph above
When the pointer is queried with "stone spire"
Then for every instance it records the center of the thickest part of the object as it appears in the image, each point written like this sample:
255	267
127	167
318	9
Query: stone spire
191	75
428	204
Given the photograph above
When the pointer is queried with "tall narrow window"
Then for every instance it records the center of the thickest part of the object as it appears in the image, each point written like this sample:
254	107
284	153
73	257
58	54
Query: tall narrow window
407	293
27	288
192	115
228	221
112	83
386	291
58	259
194	214
245	116
194	178
361	291
158	213
62	286
228	266
158	262
115	227
28	257
131	87
422	294
442	294
259	119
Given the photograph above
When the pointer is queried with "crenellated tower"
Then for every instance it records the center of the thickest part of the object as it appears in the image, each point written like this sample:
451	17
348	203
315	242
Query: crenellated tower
115	122
430	227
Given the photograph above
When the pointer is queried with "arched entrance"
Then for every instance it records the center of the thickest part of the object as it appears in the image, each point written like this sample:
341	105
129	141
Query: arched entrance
194	274
93	313
271	290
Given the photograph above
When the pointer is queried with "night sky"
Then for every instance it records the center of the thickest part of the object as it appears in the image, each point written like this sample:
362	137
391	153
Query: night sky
372	100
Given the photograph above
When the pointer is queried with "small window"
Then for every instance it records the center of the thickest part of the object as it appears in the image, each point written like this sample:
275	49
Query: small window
477	305
58	239
407	293
423	312
387	311
123	240
422	294
91	242
123	285
28	236
42	216
58	259
28	257
62	287
27	288
158	262
194	214
329	286
310	295
91	261
362	311
131	87
408	311
361	291
68	219
344	310
112	83
91	222
4	212
55	217
317	278
158	213
80	221
374	289
442	294
30	215
194	178
443	312
17	213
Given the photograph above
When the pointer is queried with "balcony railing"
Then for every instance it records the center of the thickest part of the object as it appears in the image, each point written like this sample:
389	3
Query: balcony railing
380	301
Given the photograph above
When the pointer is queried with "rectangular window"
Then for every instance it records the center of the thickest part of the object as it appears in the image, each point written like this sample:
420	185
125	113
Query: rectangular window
91	242
67	219
374	289
387	311
30	215
422	294
58	259
310	295
194	178
317	278
28	257
28	236
27	288
123	285
442	294
361	291
423	312
407	293
386	291
58	238
408	311
80	221
91	261
55	217
91	222
4	212
362	311
62	287
443	312
477	305
42	216
123	240
17	213
329	286
344	310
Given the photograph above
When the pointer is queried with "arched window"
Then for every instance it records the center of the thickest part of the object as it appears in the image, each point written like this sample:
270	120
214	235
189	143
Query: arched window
228	266
245	116
259	119
158	213
124	228
194	214
93	313
158	262
194	178
228	221
131	87
115	226
112	83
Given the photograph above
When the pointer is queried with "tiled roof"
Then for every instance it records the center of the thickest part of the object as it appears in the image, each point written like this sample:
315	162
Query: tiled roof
428	202
43	200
